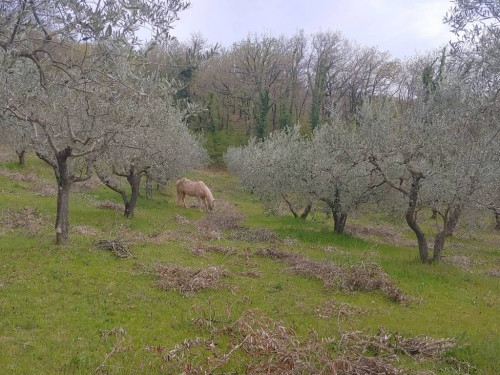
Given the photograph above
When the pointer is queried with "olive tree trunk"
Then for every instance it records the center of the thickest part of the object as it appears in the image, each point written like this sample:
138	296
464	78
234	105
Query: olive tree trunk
496	212
135	182
411	219
450	221
64	181
20	157
133	178
339	217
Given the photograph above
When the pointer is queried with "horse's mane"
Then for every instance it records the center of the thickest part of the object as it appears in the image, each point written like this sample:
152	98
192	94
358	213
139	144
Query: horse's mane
208	192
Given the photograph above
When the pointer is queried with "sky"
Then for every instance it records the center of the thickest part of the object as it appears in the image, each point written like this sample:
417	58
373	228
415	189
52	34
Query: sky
402	27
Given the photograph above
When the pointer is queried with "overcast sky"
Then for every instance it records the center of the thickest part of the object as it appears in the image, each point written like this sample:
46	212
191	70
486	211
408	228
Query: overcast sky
401	27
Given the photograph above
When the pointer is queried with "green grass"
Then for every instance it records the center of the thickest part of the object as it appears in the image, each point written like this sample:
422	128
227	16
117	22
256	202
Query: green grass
56	301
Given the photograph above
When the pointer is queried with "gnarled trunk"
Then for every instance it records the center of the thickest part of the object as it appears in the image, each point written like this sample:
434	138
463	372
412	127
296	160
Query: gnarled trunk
339	221
450	221
62	220
339	217
411	219
295	214
306	211
63	190
20	157
135	181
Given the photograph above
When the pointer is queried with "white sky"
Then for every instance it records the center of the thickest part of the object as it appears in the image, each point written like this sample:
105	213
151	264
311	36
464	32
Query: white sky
401	27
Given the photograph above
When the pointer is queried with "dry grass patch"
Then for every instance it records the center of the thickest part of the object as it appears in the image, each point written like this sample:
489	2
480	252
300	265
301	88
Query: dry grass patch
109	205
28	219
462	261
209	234
188	280
250	273
6	154
333	249
84	186
367	277
40	187
359	277
337	309
202	249
45	190
390	344
270	347
495	272
255	235
380	233
225	216
17	176
159	238
181	219
86	230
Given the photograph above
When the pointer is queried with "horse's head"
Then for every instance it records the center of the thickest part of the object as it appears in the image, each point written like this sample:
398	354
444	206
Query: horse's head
211	204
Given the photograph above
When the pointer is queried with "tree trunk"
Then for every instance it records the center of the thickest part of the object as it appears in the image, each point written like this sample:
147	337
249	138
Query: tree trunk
134	180
20	156
497	219
149	187
339	218
290	207
306	211
339	221
62	220
410	216
449	223
261	114
63	190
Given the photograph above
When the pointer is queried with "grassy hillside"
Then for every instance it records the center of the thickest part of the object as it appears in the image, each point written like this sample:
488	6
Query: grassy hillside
290	293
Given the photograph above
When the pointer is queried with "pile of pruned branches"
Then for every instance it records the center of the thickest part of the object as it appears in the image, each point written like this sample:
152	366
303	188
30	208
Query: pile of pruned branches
272	348
187	280
116	246
359	277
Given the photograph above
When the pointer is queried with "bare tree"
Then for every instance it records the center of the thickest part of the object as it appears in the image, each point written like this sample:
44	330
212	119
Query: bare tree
259	68
327	54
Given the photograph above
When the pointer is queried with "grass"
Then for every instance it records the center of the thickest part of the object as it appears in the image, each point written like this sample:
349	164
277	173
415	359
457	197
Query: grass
61	306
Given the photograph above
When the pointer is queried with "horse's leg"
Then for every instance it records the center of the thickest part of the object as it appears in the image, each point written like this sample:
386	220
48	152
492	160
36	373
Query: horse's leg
199	203
184	200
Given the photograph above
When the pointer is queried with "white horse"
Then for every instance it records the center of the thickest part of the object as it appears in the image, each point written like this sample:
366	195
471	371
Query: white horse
195	189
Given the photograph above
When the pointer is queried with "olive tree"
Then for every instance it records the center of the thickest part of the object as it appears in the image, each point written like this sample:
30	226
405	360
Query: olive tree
434	159
151	139
329	166
477	50
64	130
66	92
275	169
342	176
17	134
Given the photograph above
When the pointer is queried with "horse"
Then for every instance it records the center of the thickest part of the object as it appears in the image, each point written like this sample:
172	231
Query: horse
195	189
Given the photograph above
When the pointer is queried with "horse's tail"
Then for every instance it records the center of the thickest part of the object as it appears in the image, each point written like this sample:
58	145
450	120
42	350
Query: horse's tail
180	187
